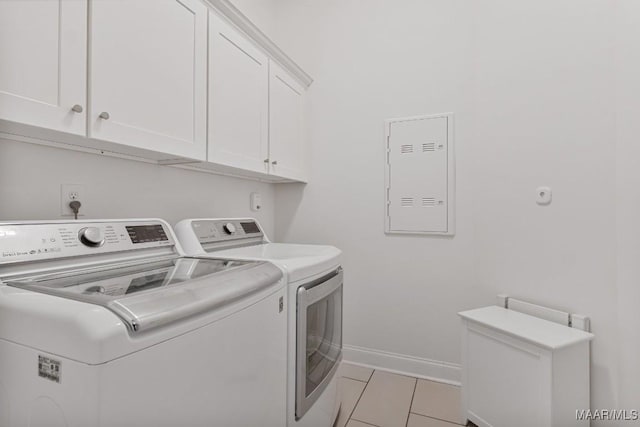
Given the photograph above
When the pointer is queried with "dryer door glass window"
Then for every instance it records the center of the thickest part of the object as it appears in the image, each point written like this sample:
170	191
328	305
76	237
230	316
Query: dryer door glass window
319	338
324	340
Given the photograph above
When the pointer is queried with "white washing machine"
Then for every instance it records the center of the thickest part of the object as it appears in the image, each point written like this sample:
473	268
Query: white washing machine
314	303
106	324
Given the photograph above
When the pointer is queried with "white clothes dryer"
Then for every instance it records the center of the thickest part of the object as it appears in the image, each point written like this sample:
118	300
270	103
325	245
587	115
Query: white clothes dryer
315	279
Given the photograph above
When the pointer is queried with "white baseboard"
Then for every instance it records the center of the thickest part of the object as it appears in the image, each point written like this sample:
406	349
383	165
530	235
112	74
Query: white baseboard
402	364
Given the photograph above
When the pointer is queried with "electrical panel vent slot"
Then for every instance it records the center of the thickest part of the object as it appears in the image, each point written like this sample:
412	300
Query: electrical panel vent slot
406	149
406	202
428	202
420	187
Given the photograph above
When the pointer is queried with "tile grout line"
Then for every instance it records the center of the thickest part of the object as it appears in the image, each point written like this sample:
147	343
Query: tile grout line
436	418
356	379
358	401
363	422
370	375
415	386
359	379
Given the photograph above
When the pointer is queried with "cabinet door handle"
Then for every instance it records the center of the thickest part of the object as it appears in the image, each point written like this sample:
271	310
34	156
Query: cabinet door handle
266	160
77	108
104	115
275	162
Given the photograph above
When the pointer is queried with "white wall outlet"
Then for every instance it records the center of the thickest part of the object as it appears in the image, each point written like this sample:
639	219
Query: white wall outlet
543	196
69	193
256	202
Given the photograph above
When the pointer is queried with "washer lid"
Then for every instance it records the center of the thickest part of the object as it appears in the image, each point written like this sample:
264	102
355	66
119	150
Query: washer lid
151	294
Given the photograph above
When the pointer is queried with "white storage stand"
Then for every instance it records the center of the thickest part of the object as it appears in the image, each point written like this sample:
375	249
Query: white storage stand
519	370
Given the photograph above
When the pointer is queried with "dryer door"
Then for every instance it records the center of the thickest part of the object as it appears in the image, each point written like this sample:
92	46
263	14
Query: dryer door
319	338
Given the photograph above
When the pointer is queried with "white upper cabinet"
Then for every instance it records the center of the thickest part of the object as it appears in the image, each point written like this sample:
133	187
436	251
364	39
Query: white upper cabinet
148	75
173	81
43	63
286	125
238	99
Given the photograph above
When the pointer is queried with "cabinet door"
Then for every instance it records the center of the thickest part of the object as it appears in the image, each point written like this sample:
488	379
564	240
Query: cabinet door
43	63
148	75
238	99
286	125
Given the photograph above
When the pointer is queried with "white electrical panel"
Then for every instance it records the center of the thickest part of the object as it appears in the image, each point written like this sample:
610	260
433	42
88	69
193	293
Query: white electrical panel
420	174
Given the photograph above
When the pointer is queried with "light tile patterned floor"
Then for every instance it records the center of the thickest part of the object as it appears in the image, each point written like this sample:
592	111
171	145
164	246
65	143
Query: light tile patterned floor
382	399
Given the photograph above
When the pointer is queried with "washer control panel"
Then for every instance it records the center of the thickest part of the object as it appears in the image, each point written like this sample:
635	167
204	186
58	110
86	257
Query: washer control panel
226	230
41	241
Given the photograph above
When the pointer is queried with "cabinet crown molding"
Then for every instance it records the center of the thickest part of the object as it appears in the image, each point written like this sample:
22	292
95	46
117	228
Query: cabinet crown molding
228	10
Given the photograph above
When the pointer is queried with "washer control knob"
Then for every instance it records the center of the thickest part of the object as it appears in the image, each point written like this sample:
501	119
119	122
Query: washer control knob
229	228
91	236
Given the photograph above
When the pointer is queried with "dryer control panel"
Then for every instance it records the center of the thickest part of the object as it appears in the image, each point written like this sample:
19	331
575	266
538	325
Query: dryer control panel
31	241
227	232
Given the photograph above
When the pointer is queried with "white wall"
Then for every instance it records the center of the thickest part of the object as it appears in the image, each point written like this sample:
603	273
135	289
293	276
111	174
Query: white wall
531	84
401	291
628	198
31	175
545	114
